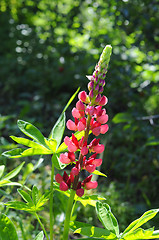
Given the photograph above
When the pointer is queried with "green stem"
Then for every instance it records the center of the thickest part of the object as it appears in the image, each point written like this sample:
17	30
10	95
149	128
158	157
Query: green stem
42	226
68	215
51	201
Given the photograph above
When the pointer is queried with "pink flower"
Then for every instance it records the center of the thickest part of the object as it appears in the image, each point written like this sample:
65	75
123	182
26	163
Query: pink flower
84	97
65	181
72	144
79	125
103	101
91	164
88	184
67	158
94	146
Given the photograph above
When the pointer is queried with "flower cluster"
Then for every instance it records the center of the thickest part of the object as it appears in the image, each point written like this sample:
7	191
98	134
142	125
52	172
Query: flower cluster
91	118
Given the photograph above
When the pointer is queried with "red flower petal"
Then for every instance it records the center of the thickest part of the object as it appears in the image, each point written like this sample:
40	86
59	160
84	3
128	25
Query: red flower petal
63	186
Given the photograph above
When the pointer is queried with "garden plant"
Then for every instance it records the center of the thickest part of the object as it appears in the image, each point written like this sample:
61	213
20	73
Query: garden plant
79	151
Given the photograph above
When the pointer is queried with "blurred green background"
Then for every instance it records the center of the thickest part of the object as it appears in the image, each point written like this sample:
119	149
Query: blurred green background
46	49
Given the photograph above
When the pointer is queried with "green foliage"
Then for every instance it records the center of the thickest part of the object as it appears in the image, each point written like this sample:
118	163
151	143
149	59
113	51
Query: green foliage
34	201
40	236
111	231
5	180
7	229
47	48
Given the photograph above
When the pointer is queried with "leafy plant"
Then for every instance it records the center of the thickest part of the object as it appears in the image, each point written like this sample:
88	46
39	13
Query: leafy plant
111	227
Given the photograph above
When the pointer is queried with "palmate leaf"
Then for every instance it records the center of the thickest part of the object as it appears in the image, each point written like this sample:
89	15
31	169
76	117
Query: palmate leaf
25	196
7	229
35	194
96	232
26	142
31	131
107	218
21	152
9	183
140	221
19	206
139	234
89	199
155	234
13	173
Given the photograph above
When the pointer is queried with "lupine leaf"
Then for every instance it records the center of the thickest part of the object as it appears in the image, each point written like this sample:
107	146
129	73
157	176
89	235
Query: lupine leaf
27	142
90	200
18	205
107	218
155	234
76	224
139	234
62	148
7	229
59	127
71	99
96	172
40	236
35	194
13	173
2	167
44	198
95	232
32	132
25	196
35	151
52	144
14	153
8	183
57	162
21	152
140	221
90	238
58	130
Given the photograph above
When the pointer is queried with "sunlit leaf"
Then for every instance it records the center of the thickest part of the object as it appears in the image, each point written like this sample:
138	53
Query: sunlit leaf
35	194
32	132
26	142
107	218
96	172
89	199
140	221
52	144
25	196
139	234
71	99
7	229
58	130
13	173
40	236
96	232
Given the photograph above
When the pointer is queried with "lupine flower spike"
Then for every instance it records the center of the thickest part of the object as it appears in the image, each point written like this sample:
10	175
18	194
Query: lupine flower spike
88	116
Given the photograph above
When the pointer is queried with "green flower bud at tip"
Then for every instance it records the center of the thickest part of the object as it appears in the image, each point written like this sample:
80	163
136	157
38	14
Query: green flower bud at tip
105	56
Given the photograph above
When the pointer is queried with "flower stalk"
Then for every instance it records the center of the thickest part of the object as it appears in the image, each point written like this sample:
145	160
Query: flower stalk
88	116
51	201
